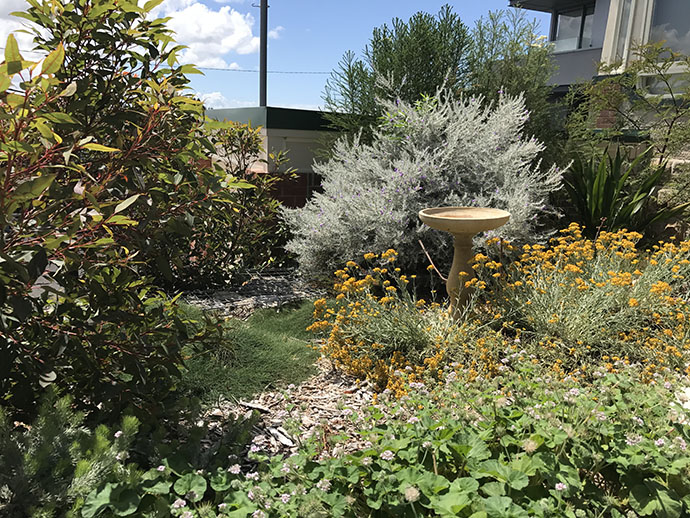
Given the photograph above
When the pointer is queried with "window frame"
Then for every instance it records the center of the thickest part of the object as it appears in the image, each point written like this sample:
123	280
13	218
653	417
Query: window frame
583	15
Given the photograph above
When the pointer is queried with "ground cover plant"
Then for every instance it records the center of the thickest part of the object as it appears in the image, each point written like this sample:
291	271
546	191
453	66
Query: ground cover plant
272	348
524	443
434	152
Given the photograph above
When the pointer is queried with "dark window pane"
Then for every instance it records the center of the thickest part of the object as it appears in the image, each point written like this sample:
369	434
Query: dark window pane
568	30
587	29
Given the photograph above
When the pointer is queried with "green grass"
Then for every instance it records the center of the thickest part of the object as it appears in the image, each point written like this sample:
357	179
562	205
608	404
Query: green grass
269	350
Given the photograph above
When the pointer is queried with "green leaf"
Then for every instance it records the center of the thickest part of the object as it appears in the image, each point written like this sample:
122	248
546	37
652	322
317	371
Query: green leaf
121	220
190	69
70	90
221	481
653	498
12	56
124	501
59	118
97	501
497	506
151	4
5	82
53	61
100	147
32	189
192	486
126	203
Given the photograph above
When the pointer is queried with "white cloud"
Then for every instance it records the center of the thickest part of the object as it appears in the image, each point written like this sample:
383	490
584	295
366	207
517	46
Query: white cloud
11	24
274	34
218	100
210	35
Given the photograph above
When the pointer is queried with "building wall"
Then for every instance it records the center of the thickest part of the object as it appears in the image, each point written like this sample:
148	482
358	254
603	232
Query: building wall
576	66
301	147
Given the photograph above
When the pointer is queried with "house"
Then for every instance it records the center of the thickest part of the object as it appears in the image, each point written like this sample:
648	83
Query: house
587	32
296	131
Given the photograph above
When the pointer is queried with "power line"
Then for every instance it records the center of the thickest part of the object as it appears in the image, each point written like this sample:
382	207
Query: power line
294	72
269	71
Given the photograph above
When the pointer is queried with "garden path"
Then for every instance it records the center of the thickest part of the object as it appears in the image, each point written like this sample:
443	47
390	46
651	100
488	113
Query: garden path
323	406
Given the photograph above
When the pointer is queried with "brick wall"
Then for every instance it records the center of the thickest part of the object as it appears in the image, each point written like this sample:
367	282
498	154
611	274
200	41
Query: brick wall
296	192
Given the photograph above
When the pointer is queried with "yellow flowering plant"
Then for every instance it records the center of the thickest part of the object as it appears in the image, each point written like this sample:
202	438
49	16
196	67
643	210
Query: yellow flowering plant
598	299
375	328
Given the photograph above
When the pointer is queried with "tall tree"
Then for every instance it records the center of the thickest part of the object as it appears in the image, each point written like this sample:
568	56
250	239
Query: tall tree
416	57
501	54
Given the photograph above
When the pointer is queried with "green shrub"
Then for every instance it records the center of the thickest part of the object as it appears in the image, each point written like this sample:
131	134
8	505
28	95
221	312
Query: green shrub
248	233
601	193
101	174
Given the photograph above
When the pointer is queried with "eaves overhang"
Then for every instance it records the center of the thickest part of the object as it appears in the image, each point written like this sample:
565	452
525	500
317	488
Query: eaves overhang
550	5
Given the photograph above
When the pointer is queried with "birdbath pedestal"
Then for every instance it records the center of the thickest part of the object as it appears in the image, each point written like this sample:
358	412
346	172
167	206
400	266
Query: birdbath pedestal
463	223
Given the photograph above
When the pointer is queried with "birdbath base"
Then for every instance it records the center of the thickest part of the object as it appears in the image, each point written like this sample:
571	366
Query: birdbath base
463	223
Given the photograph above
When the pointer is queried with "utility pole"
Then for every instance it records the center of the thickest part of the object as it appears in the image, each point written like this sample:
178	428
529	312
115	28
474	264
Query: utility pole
263	53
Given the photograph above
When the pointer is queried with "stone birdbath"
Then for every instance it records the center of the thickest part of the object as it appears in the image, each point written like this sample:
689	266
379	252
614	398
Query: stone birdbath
463	223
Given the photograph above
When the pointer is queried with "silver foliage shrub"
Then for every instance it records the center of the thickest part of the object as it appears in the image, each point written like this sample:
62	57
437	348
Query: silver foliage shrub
437	152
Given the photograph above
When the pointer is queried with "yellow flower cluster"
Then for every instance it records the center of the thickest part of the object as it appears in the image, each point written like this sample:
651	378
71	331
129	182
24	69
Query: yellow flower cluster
573	306
601	297
371	328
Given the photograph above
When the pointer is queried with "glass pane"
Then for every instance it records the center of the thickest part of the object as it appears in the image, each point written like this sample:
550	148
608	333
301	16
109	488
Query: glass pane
654	86
623	31
587	29
568	30
671	23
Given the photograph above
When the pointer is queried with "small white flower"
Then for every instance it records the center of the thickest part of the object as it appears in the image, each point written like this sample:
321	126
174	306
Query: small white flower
411	494
387	455
324	485
235	469
118	434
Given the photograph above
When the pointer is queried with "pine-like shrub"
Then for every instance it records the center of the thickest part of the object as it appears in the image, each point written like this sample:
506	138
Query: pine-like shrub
436	152
48	468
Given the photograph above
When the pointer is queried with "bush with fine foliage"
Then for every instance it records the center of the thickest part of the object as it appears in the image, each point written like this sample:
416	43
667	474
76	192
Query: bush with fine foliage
435	152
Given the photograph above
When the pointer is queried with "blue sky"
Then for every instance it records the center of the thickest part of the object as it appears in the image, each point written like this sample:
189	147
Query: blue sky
305	36
313	36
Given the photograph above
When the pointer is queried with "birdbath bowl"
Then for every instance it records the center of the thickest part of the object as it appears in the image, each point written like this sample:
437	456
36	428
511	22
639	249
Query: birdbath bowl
463	223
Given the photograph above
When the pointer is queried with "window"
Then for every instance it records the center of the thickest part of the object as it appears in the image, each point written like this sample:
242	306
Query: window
623	28
671	23
573	29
